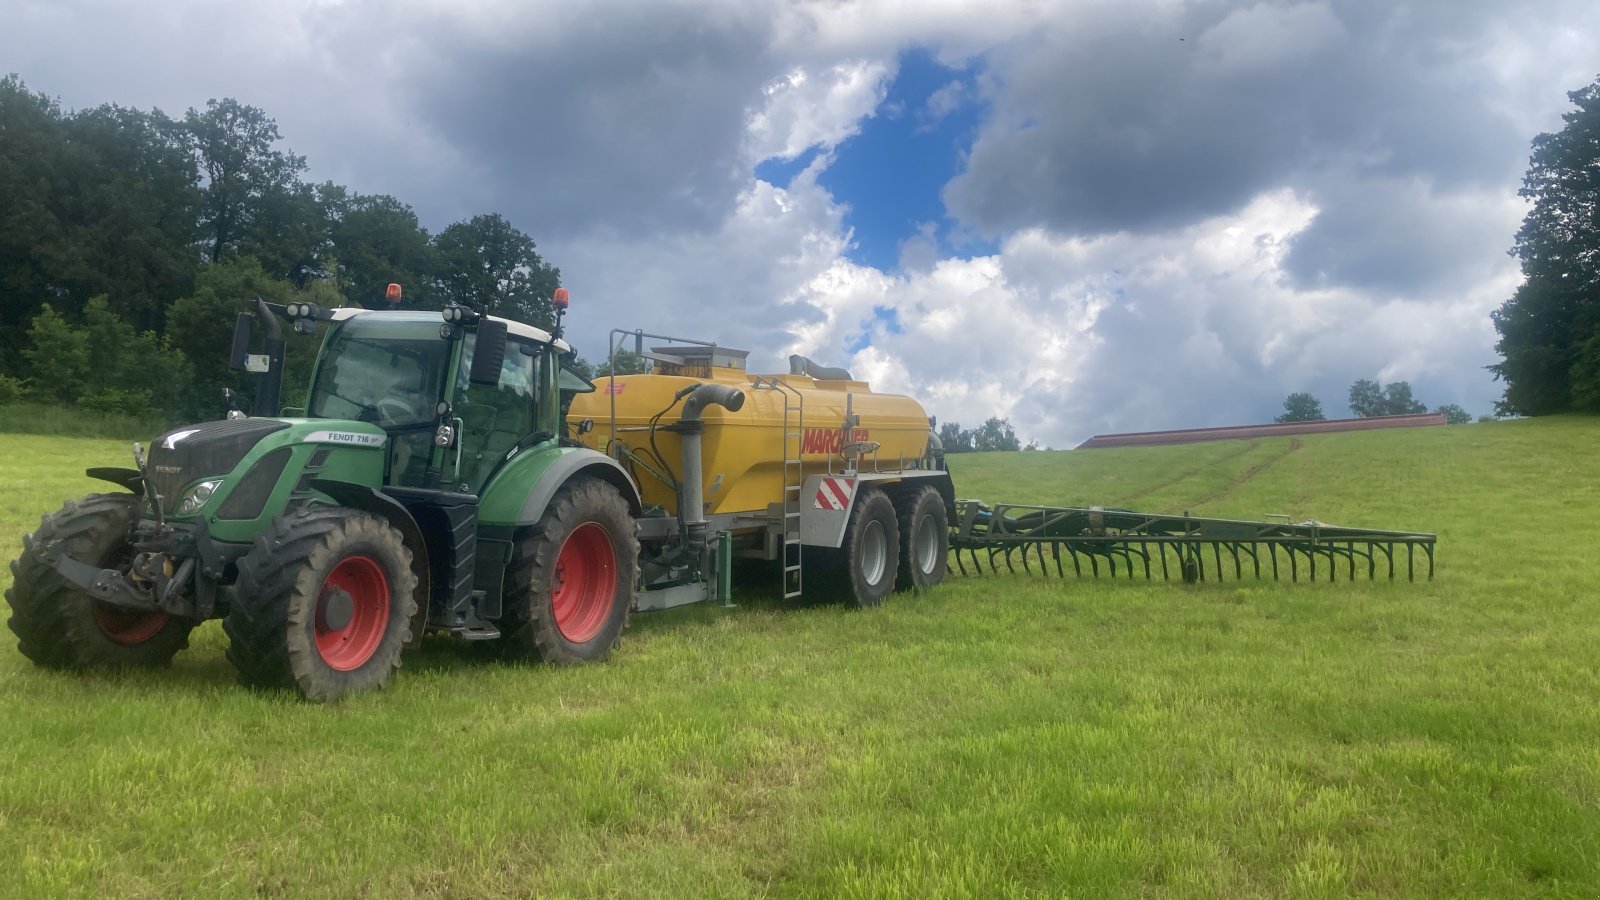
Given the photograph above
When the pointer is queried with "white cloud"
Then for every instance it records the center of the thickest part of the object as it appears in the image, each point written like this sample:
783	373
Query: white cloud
1187	230
803	109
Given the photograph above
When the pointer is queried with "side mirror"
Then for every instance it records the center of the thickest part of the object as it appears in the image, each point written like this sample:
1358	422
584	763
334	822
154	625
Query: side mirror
488	353
585	426
244	328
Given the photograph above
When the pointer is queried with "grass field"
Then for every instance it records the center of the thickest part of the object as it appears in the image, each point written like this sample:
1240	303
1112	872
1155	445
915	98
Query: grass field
998	736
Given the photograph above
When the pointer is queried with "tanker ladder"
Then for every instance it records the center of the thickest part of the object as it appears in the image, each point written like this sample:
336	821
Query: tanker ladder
1004	536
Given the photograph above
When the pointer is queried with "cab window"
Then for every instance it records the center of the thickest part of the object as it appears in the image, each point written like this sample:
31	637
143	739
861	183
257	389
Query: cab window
495	417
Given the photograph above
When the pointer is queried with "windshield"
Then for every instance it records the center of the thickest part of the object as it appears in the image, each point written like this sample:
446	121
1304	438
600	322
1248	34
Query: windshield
387	370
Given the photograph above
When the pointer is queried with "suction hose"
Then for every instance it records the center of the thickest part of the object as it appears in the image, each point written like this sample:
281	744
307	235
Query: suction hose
692	507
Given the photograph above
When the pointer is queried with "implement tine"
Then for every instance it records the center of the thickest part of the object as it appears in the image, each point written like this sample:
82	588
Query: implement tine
1055	553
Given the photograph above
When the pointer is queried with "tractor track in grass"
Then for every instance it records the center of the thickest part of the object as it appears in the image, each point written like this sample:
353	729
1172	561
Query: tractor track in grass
1188	473
1250	473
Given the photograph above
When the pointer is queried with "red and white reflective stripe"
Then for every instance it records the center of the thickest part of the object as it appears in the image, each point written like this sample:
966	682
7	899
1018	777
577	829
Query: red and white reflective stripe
835	494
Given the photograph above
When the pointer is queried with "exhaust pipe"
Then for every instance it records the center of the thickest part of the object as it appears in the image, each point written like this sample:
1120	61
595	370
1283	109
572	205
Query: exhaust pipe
692	507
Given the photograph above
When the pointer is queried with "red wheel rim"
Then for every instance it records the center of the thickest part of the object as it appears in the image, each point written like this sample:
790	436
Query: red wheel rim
585	583
357	627
126	626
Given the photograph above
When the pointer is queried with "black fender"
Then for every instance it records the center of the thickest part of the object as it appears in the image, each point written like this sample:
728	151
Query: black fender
131	479
359	496
589	463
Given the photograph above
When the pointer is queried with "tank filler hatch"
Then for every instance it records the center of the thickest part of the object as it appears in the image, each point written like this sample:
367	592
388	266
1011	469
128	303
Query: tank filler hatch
692	361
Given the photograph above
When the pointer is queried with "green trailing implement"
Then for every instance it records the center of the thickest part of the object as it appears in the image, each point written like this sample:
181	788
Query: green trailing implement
1089	542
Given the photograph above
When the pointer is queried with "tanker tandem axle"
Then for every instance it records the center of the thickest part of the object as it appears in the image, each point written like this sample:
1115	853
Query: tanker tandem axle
433	484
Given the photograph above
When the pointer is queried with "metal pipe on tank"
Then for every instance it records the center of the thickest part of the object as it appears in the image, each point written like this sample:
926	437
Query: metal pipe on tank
692	510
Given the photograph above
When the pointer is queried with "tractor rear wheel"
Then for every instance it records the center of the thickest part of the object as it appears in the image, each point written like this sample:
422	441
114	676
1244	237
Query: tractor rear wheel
924	537
871	549
570	585
58	624
323	604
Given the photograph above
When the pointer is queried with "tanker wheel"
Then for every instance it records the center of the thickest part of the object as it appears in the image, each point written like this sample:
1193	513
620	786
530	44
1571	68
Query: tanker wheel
871	549
58	624
569	587
323	604
924	537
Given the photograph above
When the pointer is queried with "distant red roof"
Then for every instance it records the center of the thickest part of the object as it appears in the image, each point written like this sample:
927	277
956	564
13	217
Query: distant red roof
1233	432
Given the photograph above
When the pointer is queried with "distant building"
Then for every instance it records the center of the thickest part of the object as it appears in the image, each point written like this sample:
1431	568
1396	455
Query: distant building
1241	432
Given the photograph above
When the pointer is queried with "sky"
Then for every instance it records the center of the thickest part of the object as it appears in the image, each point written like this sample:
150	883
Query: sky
1085	216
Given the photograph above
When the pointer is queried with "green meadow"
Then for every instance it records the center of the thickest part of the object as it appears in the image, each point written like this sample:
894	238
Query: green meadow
999	736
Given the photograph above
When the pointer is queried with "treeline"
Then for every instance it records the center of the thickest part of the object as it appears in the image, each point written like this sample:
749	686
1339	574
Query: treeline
994	434
129	240
1370	398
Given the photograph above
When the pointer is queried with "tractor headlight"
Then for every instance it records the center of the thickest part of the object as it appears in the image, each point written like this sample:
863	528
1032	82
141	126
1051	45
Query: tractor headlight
196	497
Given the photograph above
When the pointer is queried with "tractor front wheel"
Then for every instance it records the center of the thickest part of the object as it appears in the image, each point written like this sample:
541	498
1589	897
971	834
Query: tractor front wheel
571	580
323	604
58	624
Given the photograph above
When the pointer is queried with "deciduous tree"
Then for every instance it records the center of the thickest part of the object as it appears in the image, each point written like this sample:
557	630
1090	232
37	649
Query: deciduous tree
1301	407
1548	326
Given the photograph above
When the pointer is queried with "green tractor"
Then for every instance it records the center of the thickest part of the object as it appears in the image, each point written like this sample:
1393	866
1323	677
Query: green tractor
427	486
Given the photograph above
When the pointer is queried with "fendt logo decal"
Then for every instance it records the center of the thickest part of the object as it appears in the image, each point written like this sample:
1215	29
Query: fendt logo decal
834	494
353	438
828	440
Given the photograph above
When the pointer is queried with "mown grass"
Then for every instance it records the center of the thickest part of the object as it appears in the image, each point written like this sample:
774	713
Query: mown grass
998	736
40	418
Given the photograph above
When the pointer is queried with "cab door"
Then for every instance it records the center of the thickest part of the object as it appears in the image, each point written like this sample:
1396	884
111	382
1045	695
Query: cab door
495	418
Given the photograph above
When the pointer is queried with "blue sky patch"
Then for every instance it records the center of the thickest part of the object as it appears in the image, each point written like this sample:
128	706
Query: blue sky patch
885	320
891	172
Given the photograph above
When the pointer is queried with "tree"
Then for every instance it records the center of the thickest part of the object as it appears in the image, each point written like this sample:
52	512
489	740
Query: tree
1454	415
954	438
378	240
1366	398
1547	327
201	326
244	173
487	263
59	362
995	434
624	362
1301	407
1369	398
1397	400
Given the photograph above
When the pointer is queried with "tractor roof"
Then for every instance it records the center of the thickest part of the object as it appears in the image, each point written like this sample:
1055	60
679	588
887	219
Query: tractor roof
512	326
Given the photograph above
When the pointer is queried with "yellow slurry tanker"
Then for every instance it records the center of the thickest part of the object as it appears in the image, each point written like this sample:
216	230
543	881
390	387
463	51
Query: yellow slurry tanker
753	465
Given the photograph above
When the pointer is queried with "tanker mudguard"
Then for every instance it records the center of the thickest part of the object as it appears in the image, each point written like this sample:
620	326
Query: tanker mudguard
570	464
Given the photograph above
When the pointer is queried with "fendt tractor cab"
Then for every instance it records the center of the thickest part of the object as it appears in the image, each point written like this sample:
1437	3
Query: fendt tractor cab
430	484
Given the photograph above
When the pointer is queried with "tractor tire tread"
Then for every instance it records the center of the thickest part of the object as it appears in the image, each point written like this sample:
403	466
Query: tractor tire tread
280	567
51	617
528	630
